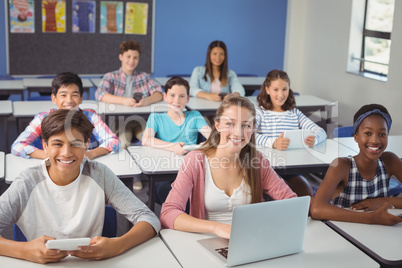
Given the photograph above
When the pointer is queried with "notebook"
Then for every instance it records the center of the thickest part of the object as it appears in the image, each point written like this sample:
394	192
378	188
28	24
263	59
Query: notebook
296	137
262	231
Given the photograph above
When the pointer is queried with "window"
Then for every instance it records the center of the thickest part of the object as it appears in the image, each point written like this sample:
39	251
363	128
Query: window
370	47
376	45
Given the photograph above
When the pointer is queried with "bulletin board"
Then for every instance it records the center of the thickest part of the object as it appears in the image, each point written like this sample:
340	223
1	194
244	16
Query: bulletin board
88	51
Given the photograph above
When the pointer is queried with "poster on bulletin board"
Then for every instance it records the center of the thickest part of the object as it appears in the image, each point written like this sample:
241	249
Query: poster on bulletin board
84	16
111	17
53	16
136	18
22	19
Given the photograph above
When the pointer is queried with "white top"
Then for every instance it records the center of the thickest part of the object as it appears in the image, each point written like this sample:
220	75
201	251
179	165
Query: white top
218	205
143	255
322	248
40	207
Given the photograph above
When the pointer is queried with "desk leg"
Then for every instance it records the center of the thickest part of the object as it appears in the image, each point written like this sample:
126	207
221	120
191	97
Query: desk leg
151	194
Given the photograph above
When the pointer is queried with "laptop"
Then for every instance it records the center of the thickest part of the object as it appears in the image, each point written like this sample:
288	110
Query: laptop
296	137
262	231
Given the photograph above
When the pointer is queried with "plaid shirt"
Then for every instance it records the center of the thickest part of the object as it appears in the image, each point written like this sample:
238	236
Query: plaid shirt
115	83
359	189
30	140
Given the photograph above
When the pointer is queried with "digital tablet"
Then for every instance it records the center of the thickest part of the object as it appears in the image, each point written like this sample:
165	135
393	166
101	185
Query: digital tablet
68	244
296	137
191	147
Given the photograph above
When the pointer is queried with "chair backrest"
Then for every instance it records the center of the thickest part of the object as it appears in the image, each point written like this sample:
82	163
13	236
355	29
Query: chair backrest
395	187
341	132
247	75
109	225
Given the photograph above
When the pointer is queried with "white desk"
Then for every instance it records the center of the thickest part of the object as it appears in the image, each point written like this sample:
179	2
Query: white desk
2	165
152	253
6	110
305	160
383	243
96	81
322	248
394	144
120	163
12	87
118	109
203	105
45	85
26	110
157	165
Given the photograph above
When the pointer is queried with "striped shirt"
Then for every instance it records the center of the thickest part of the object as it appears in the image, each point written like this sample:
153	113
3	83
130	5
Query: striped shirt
30	140
271	124
359	189
115	83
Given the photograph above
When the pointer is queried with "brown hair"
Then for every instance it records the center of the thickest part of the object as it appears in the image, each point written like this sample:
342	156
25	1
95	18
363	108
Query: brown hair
177	80
224	66
247	154
264	100
62	120
130	45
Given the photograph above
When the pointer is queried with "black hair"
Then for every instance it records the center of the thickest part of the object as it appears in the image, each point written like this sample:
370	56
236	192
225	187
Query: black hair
177	80
66	79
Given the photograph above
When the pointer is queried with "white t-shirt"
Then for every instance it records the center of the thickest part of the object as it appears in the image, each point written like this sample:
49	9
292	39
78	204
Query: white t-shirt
218	205
40	207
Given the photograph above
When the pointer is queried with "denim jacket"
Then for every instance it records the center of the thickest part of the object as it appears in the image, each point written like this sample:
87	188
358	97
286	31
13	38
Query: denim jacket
197	82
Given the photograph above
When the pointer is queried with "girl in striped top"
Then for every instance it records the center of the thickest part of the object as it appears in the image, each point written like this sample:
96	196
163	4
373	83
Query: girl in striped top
277	112
356	189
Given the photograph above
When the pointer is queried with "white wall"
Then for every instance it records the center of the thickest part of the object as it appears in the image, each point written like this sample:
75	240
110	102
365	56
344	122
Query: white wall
316	55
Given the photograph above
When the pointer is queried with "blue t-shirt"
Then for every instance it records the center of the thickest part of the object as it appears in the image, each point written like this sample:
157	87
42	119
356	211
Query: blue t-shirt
166	130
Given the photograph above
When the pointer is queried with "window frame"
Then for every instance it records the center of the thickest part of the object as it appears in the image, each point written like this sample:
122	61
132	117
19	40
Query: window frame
373	34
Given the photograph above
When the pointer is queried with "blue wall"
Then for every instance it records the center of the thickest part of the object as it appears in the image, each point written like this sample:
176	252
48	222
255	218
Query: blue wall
253	30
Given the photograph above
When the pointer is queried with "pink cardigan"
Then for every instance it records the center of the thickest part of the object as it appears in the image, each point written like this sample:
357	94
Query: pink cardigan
190	180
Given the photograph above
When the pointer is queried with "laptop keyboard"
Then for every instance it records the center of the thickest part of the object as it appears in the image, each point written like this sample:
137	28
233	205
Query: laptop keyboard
223	251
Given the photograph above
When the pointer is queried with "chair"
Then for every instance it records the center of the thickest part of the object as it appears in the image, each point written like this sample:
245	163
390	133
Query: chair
40	98
247	75
109	225
341	132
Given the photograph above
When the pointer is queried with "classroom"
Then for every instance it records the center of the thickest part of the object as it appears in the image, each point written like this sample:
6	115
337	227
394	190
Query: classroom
316	42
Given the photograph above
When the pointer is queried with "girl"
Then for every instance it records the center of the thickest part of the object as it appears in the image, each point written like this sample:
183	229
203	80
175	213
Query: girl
226	172
277	113
361	182
215	81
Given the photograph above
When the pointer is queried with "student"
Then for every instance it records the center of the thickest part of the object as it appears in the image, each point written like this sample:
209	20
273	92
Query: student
361	183
172	130
119	87
209	81
65	197
67	93
277	112
224	173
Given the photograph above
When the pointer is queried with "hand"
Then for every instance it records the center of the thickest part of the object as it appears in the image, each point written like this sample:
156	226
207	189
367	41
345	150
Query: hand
178	148
36	251
281	143
223	230
129	102
381	216
214	97
370	204
142	102
310	140
99	248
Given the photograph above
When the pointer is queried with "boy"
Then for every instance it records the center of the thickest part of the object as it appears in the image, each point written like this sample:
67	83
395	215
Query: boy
119	87
67	93
65	197
174	129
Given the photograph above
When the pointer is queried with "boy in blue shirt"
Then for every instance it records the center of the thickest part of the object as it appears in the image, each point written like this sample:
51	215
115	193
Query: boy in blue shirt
175	128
